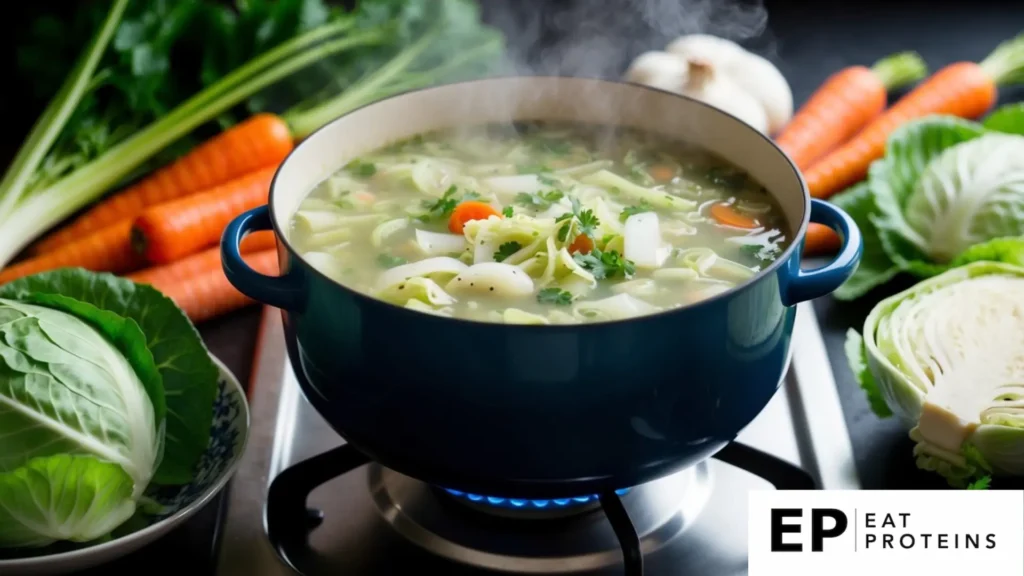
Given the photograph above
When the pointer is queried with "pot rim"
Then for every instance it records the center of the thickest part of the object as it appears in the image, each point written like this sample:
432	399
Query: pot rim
782	260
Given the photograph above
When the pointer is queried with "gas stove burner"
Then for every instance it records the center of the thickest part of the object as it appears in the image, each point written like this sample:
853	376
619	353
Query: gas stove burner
530	509
634	523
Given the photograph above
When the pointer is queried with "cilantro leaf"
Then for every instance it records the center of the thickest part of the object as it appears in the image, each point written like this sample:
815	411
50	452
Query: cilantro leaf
605	264
386	260
360	168
588	222
555	296
763	253
505	250
507	211
443	207
635	209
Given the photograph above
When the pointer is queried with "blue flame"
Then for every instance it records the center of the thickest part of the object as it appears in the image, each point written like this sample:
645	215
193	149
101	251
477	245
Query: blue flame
518	503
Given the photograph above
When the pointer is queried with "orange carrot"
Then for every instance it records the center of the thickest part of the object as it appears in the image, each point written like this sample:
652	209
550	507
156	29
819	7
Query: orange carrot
821	241
844	104
261	141
208	293
471	210
963	89
170	231
728	216
582	244
106	250
201	262
662	173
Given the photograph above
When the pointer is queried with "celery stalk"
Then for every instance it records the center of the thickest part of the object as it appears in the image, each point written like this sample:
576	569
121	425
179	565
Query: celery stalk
47	128
45	208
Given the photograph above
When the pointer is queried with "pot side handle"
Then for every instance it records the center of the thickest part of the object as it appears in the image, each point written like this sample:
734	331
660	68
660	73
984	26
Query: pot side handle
806	285
282	292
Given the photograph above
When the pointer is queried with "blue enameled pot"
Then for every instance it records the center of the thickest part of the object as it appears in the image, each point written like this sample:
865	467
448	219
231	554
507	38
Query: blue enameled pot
538	411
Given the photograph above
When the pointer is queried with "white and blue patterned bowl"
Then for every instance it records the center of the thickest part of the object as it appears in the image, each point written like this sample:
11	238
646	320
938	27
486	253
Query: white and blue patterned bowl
168	506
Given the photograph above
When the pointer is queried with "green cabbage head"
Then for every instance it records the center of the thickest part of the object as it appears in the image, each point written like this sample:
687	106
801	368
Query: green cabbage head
81	425
971	193
947	357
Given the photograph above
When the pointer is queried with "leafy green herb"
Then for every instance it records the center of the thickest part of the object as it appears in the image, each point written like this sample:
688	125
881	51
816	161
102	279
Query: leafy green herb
470	195
360	168
383	47
628	211
386	260
586	221
605	264
983	483
764	253
189	375
507	211
443	207
505	250
555	296
539	201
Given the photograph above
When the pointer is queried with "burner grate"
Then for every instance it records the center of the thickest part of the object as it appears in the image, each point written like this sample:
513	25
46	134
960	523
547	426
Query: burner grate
289	521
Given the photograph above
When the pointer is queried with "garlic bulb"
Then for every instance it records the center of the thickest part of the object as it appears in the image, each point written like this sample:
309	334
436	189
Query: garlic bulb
703	82
732	67
658	70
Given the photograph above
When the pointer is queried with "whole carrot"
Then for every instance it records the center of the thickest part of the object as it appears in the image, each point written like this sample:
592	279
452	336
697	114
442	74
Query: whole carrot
207	294
261	141
201	262
106	250
844	104
963	89
170	231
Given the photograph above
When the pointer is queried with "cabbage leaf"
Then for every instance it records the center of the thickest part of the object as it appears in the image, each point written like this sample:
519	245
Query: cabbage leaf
63	497
927	200
188	374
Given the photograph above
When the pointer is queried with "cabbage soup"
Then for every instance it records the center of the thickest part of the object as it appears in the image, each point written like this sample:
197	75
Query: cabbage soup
539	224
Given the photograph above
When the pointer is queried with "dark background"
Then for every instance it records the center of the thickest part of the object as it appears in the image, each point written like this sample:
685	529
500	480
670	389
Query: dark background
807	40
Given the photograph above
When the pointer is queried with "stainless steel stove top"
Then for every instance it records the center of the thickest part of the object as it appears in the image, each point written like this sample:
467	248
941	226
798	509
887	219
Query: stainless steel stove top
376	521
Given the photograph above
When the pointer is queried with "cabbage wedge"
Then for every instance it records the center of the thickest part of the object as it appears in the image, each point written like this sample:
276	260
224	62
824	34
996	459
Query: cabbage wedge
947	357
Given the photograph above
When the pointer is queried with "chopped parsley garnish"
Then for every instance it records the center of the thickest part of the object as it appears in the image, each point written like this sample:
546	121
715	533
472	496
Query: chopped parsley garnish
539	201
585	219
605	264
471	195
443	207
763	253
389	261
637	209
507	212
505	250
555	296
360	168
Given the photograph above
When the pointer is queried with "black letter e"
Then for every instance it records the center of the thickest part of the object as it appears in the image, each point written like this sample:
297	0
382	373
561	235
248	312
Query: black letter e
779	528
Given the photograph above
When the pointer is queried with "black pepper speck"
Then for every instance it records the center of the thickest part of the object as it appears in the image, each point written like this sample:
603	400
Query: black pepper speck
491	288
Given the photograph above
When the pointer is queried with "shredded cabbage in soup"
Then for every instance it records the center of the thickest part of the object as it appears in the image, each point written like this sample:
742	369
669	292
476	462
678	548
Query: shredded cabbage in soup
539	224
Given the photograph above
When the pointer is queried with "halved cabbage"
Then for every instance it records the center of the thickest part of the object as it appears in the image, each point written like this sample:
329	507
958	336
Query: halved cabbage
947	357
